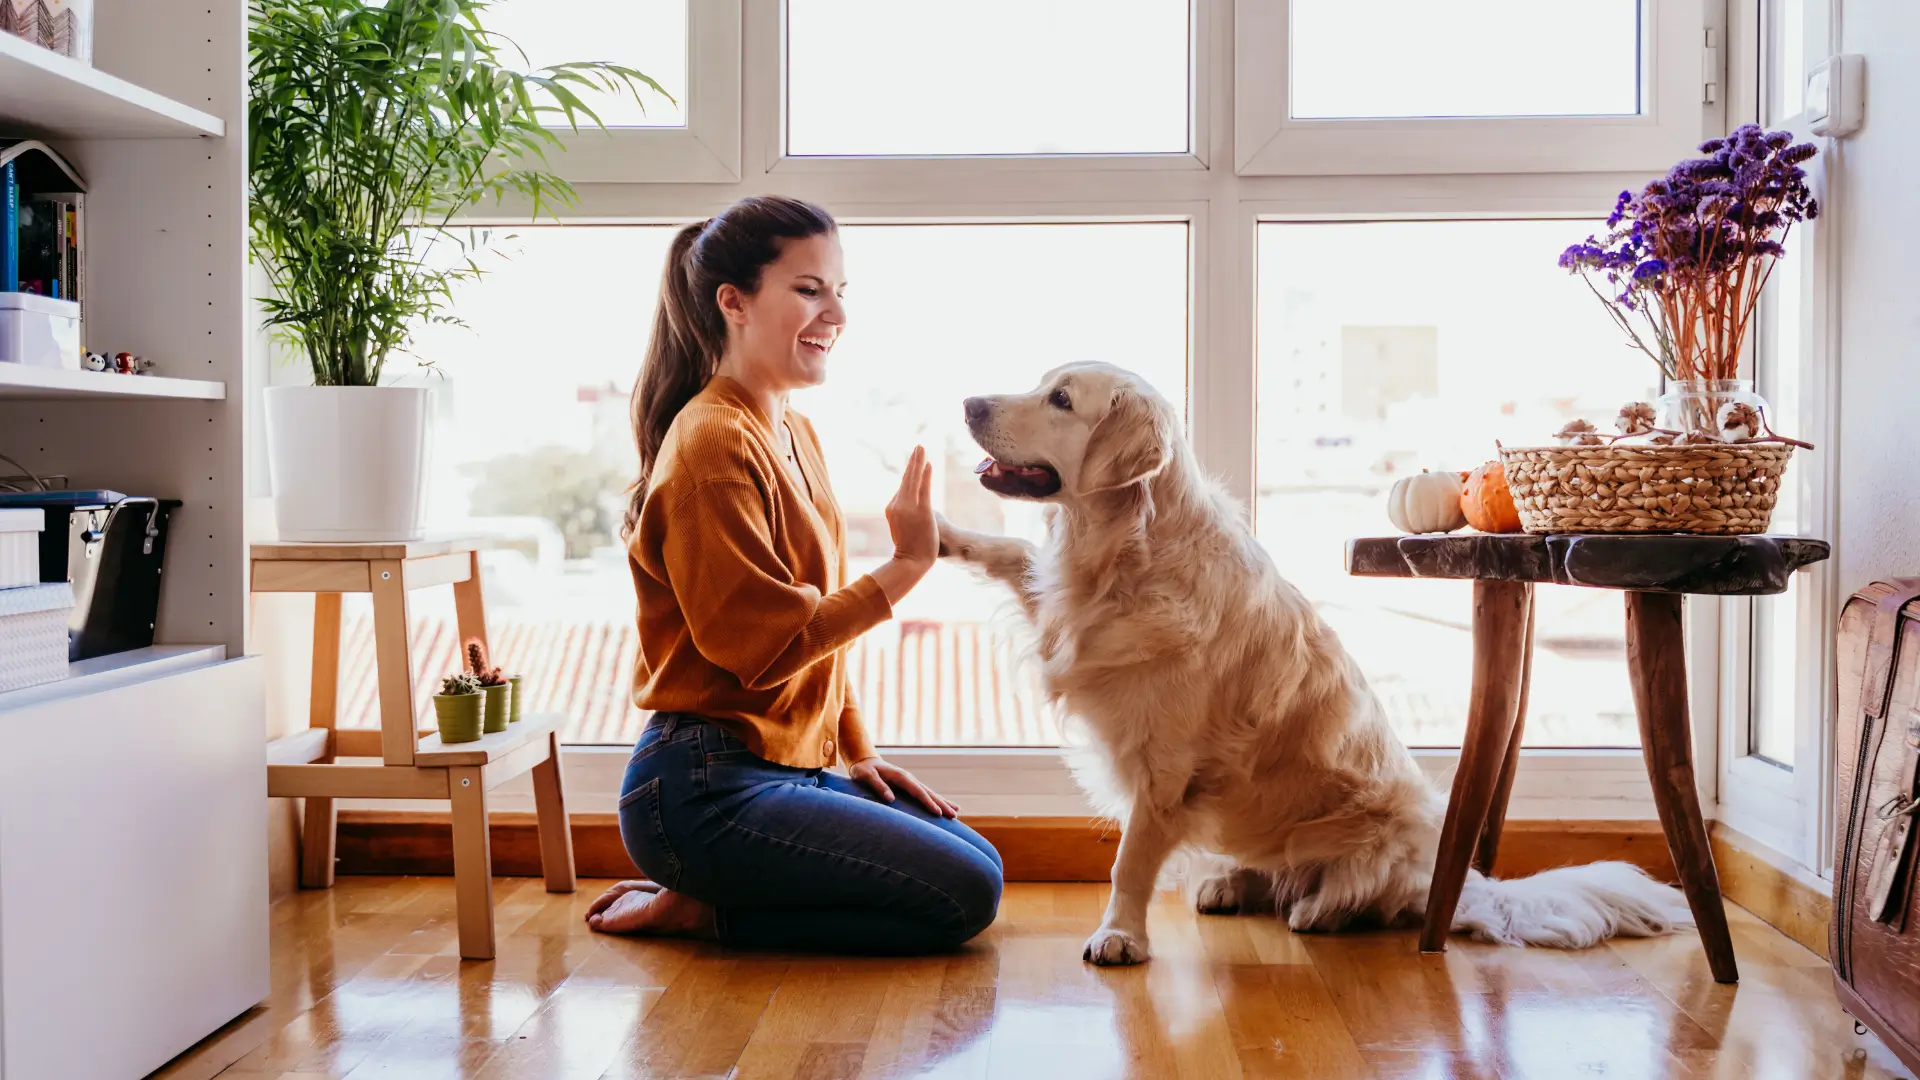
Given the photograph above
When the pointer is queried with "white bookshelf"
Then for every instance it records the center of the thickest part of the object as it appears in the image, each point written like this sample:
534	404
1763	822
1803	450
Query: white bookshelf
149	766
60	98
19	382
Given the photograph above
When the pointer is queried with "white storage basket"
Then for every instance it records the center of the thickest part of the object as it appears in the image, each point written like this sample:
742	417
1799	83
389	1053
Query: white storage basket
20	544
33	634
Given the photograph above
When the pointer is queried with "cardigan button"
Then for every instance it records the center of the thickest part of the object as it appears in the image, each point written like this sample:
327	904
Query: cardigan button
828	749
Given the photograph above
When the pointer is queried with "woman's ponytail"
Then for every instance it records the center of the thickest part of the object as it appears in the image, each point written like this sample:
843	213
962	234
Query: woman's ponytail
689	331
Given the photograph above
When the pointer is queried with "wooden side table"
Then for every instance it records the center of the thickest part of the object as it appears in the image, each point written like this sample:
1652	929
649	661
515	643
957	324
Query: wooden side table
411	767
1655	572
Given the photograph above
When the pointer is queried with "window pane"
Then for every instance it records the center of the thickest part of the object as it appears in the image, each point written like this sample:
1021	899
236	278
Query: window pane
1776	637
648	35
1786	58
1385	348
1776	662
886	77
533	447
1402	58
939	313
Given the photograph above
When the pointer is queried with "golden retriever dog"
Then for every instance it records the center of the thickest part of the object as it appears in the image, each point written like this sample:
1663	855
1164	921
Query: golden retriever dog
1224	715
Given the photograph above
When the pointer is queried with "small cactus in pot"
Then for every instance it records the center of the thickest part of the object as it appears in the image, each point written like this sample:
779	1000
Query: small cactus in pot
457	707
493	684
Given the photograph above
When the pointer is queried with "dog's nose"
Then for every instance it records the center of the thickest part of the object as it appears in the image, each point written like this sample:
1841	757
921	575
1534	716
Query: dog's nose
977	409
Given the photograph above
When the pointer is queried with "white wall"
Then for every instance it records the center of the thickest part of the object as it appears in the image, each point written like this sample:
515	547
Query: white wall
1876	195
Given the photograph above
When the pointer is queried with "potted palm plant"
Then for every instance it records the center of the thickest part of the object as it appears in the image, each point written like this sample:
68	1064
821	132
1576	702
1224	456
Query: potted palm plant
371	125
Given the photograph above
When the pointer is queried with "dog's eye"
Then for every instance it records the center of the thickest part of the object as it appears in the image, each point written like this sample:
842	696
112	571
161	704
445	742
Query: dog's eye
1059	400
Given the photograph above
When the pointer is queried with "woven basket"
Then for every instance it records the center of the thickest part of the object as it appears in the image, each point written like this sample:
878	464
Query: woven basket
1720	489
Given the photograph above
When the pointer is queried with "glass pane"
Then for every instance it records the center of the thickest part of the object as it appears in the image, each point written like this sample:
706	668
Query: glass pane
648	35
953	667
1385	348
883	77
1776	638
1428	58
1787	58
1776	663
533	448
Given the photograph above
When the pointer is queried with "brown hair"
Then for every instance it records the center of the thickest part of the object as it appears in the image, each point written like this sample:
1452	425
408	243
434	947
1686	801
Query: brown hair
689	332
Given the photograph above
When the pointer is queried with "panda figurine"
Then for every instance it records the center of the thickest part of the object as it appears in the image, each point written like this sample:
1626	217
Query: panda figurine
97	361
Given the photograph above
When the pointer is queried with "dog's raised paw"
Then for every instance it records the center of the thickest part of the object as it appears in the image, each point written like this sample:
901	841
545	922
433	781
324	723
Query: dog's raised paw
951	546
1114	948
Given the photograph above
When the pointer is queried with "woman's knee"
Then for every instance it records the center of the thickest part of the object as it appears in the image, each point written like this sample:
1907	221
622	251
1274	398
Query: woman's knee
975	888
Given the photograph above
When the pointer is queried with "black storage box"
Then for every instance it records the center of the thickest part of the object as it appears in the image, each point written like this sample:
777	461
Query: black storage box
110	546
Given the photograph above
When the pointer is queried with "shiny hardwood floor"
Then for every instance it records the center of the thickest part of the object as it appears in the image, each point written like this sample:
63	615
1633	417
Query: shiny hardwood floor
367	983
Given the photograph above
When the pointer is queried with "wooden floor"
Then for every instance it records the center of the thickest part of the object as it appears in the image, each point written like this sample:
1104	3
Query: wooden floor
366	983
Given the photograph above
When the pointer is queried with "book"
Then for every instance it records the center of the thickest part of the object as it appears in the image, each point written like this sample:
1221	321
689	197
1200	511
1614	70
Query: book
39	256
73	268
10	232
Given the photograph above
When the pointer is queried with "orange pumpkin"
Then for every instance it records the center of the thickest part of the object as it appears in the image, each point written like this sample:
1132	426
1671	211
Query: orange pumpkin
1487	501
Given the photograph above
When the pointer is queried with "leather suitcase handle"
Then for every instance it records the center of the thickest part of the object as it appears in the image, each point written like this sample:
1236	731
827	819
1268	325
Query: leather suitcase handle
1883	648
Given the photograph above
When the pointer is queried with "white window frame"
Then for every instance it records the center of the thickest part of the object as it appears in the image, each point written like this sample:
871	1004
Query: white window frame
706	150
1221	206
1789	809
1270	141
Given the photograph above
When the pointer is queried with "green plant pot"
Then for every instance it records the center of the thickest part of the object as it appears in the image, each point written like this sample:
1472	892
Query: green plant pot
459	716
519	695
499	703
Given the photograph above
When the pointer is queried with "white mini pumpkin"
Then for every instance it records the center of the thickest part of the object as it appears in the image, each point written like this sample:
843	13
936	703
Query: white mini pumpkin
1427	503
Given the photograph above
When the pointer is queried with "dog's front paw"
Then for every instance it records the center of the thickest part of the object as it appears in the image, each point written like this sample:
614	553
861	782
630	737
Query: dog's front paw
1221	894
1115	948
951	546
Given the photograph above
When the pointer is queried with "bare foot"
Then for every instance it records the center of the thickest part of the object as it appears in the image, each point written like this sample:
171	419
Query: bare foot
643	907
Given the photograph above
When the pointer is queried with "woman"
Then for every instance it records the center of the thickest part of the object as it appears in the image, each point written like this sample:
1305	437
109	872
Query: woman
738	556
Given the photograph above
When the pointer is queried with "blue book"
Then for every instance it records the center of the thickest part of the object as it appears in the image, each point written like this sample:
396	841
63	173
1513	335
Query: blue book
10	236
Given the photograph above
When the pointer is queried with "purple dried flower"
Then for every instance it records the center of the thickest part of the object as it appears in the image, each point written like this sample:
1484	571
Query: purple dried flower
1689	253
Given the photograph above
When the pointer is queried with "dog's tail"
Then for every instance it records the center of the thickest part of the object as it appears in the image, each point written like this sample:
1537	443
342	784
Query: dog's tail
1571	907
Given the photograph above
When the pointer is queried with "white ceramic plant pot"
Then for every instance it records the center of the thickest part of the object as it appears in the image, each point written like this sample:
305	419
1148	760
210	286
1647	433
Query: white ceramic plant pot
349	463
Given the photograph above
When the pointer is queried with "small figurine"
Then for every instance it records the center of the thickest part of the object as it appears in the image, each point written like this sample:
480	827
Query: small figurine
128	364
97	361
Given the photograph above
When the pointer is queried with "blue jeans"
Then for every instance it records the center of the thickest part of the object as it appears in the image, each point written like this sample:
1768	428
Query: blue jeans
799	858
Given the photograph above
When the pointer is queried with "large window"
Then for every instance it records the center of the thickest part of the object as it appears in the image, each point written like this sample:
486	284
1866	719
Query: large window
1330	228
533	445
1386	348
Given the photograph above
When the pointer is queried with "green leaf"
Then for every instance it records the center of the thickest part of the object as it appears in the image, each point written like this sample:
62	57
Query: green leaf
370	123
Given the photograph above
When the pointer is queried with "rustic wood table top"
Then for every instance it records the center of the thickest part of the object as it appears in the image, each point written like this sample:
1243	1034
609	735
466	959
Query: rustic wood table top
1661	563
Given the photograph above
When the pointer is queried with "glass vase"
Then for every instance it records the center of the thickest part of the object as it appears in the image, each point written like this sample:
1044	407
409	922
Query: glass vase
1692	406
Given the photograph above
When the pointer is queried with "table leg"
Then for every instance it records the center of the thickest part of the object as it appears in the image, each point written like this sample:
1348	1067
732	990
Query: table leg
1657	663
1499	640
472	862
317	828
556	833
1489	849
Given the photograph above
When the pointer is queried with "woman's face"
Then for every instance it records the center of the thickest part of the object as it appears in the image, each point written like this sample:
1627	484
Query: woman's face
781	335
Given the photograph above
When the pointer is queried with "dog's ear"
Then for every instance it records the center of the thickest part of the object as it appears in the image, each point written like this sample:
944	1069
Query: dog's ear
1128	446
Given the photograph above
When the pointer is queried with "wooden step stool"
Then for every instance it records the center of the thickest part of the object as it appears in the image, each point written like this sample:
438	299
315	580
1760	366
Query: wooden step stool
411	767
